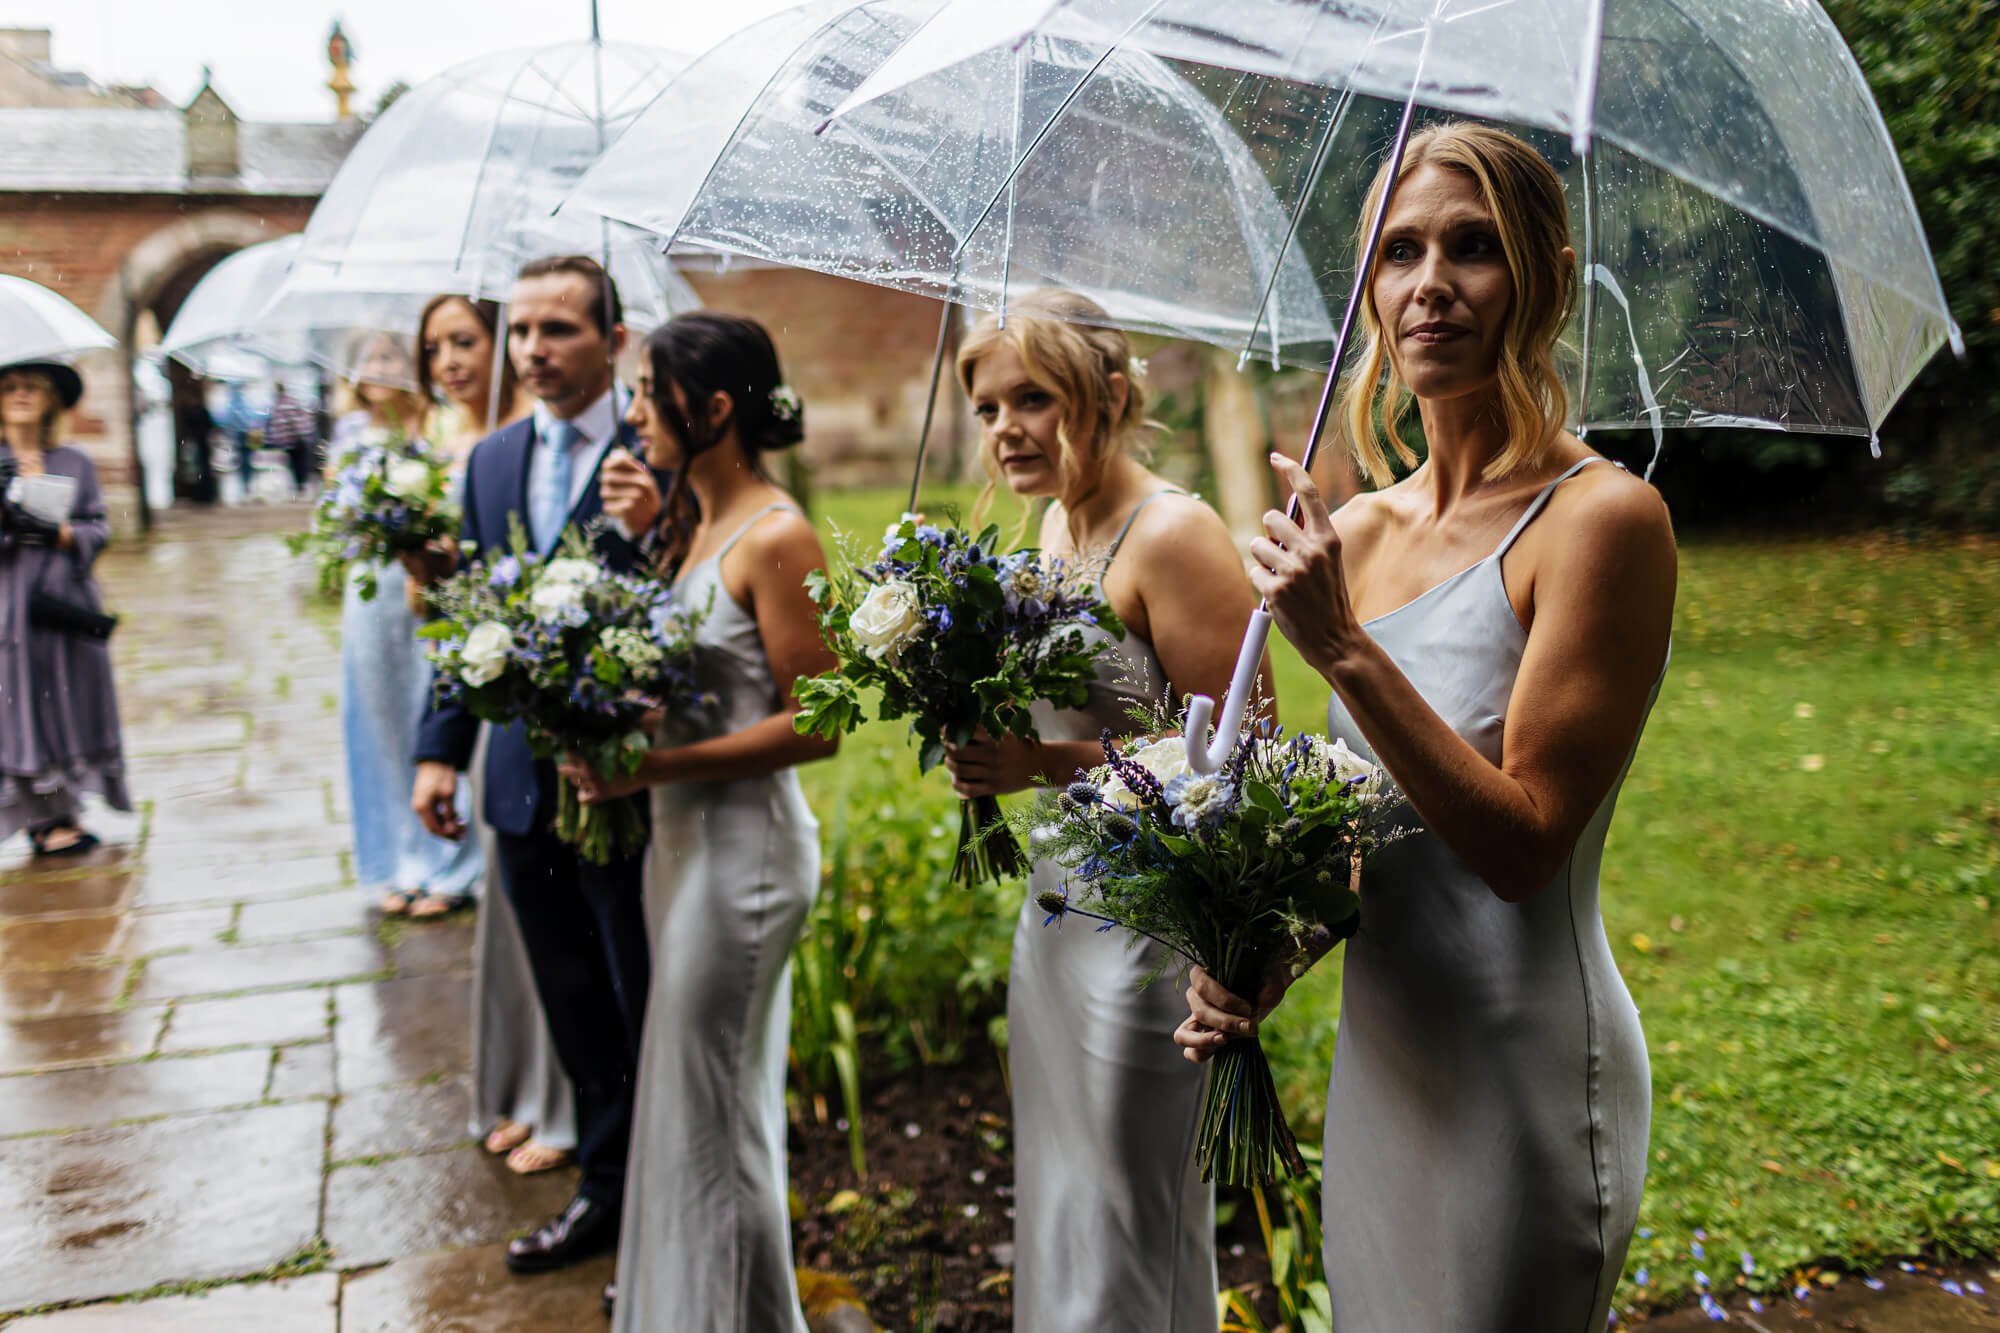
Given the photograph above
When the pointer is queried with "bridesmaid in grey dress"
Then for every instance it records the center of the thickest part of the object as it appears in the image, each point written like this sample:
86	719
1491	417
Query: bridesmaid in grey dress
1114	1228
705	1245
1494	626
522	1104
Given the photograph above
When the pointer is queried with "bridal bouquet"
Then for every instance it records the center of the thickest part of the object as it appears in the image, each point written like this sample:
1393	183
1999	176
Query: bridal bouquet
586	657
957	638
1242	871
388	495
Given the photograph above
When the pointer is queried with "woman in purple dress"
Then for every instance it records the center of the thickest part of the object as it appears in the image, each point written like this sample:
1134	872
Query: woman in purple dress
58	713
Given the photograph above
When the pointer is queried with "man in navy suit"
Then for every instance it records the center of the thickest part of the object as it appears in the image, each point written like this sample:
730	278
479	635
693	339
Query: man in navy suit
583	925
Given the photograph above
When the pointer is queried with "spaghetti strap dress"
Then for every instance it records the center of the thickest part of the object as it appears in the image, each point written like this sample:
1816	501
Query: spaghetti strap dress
1487	1119
1114	1229
706	1244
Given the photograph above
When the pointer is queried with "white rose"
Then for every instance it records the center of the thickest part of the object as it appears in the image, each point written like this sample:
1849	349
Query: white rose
1345	766
550	597
581	573
1114	791
887	619
1166	758
407	478
485	653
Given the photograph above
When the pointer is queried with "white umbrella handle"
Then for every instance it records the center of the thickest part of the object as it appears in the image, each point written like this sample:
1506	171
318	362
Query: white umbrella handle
1204	755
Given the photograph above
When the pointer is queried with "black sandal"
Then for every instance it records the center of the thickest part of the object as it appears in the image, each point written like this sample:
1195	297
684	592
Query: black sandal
453	903
85	840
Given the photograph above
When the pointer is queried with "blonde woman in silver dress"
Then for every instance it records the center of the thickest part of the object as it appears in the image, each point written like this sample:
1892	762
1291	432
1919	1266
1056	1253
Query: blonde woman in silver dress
705	1245
523	1108
1494	627
1114	1230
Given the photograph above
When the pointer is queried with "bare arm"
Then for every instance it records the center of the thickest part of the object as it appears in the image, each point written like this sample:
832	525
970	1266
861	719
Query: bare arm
1196	598
1603	606
771	561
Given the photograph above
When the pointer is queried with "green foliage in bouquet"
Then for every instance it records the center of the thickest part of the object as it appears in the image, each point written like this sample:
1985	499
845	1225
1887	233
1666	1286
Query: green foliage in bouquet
957	638
1244	871
389	495
587	658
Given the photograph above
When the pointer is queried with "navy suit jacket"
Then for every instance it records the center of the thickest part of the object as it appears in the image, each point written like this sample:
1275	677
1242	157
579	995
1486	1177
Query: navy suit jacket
520	791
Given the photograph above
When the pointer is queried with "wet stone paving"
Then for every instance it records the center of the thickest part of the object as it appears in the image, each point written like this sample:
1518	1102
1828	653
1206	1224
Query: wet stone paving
230	1097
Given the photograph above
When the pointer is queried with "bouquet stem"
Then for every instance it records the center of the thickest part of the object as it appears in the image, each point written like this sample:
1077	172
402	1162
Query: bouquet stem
601	834
1244	1139
987	851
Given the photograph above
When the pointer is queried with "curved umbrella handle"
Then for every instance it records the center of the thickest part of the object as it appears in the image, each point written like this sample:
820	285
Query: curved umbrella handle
1206	756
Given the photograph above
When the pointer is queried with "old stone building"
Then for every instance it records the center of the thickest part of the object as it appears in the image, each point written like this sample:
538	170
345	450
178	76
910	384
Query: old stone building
122	203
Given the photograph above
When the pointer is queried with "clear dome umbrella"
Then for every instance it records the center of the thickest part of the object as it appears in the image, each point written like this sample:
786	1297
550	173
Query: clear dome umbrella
1150	203
228	326
1751	253
37	324
453	187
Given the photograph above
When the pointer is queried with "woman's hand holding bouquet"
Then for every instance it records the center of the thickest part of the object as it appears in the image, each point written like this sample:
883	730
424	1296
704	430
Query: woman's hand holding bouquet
960	640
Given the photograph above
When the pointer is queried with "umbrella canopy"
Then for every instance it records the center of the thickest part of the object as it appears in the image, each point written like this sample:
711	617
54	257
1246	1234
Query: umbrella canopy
1752	253
451	190
36	324
1149	201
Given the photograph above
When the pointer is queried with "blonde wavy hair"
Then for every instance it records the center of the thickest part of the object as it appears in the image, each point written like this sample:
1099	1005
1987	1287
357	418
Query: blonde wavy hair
1525	197
1067	349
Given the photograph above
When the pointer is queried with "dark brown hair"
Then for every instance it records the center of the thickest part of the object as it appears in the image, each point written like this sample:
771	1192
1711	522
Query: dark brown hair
602	286
707	353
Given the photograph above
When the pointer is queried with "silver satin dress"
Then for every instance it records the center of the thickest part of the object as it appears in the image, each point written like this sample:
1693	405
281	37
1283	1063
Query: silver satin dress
732	870
1487	1120
515	1073
1114	1230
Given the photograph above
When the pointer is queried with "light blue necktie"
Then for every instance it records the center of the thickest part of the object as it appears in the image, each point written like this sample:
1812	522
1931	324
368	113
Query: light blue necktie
553	506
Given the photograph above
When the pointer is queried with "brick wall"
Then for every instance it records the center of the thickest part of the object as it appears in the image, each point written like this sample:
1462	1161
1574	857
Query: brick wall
859	355
113	255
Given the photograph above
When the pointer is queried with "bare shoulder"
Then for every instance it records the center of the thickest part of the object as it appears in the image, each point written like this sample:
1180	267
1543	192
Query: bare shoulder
1608	508
1175	530
784	538
1366	518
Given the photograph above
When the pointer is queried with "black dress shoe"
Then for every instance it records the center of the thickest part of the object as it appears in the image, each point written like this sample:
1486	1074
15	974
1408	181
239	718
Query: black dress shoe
610	1298
583	1229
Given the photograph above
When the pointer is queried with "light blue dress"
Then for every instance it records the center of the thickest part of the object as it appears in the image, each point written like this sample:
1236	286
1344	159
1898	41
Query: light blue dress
706	1245
385	683
1487	1119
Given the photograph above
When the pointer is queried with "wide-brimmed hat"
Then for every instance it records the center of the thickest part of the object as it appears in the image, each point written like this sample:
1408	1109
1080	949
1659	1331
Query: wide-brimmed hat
69	384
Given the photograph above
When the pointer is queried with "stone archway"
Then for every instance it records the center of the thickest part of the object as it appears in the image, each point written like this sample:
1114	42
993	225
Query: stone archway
159	264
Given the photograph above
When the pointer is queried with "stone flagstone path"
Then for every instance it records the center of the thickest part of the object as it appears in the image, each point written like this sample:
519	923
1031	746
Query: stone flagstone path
216	1066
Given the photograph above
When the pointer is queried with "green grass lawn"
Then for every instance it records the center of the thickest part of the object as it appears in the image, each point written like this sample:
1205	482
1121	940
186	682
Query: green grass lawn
1798	889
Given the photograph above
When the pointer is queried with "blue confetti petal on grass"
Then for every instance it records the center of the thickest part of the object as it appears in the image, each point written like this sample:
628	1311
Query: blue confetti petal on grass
1873	1283
1952	1287
1701	1279
1756	1306
1975	1288
1802	1293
